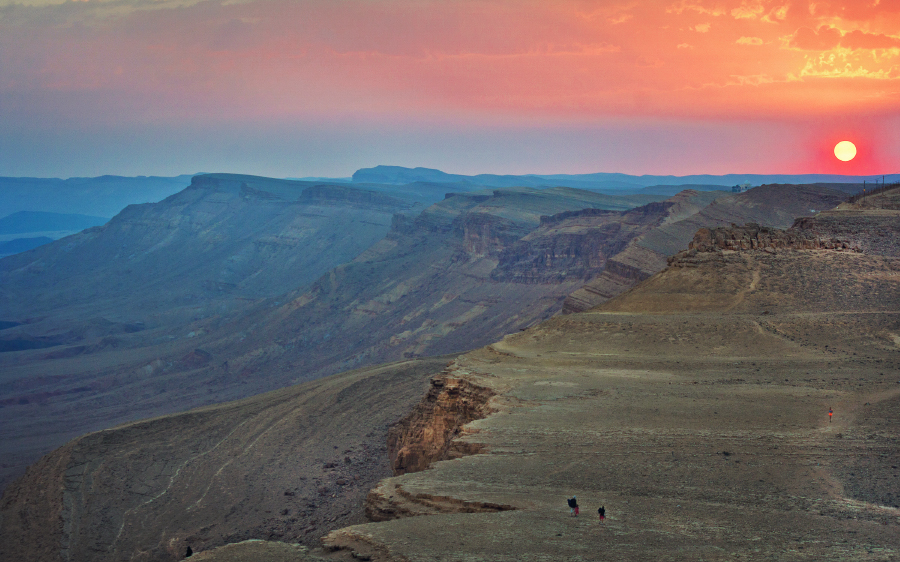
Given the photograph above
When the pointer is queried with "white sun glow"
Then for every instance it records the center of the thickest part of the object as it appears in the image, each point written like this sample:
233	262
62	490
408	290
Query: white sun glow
845	151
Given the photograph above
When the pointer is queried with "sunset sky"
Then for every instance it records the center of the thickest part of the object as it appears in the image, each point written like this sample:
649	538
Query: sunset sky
323	87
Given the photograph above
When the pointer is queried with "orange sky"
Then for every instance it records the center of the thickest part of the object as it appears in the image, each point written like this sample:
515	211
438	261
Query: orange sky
814	69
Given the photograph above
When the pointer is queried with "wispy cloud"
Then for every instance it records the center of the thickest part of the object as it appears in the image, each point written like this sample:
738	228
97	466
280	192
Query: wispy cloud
748	11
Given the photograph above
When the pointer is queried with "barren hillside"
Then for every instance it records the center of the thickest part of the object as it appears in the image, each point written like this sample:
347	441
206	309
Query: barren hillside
694	407
289	465
208	296
768	205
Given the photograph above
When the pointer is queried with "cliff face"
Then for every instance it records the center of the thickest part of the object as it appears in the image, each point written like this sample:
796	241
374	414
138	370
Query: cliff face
568	246
427	434
768	205
755	237
873	233
426	288
484	234
273	281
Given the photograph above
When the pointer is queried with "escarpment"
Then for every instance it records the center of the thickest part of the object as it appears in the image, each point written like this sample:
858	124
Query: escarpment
486	234
427	434
759	270
869	233
576	244
755	237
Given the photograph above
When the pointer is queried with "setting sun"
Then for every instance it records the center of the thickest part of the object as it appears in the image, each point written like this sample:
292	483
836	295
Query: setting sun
845	151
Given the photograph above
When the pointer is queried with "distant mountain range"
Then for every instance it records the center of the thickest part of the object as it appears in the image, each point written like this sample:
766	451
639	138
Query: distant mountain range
597	181
26	230
102	196
17	245
105	196
26	222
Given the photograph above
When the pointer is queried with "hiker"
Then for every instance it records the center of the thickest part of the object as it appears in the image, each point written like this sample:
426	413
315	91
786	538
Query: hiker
602	513
573	503
830	413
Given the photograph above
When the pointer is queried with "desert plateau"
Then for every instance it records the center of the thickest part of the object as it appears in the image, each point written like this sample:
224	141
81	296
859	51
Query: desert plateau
468	281
739	404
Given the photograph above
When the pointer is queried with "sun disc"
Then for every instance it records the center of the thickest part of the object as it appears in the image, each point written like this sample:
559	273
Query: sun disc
845	151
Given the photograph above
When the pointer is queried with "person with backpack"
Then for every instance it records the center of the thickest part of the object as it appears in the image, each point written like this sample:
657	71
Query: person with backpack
573	504
602	513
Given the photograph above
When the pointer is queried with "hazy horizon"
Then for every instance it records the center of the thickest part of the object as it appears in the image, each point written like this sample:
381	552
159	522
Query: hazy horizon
321	88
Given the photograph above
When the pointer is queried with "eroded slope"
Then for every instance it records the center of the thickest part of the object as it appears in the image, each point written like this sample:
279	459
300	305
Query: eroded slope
769	205
289	465
695	409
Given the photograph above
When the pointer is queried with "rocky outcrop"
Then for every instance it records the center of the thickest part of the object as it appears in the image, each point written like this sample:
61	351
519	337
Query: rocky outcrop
390	500
769	205
873	232
755	237
869	232
428	433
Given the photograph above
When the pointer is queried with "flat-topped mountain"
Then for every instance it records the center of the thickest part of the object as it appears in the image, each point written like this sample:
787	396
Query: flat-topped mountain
223	238
694	407
95	322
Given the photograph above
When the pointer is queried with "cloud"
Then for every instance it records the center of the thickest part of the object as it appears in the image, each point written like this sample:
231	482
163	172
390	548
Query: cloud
857	39
694	6
855	10
806	39
620	19
750	80
776	15
840	63
322	58
828	38
748	11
